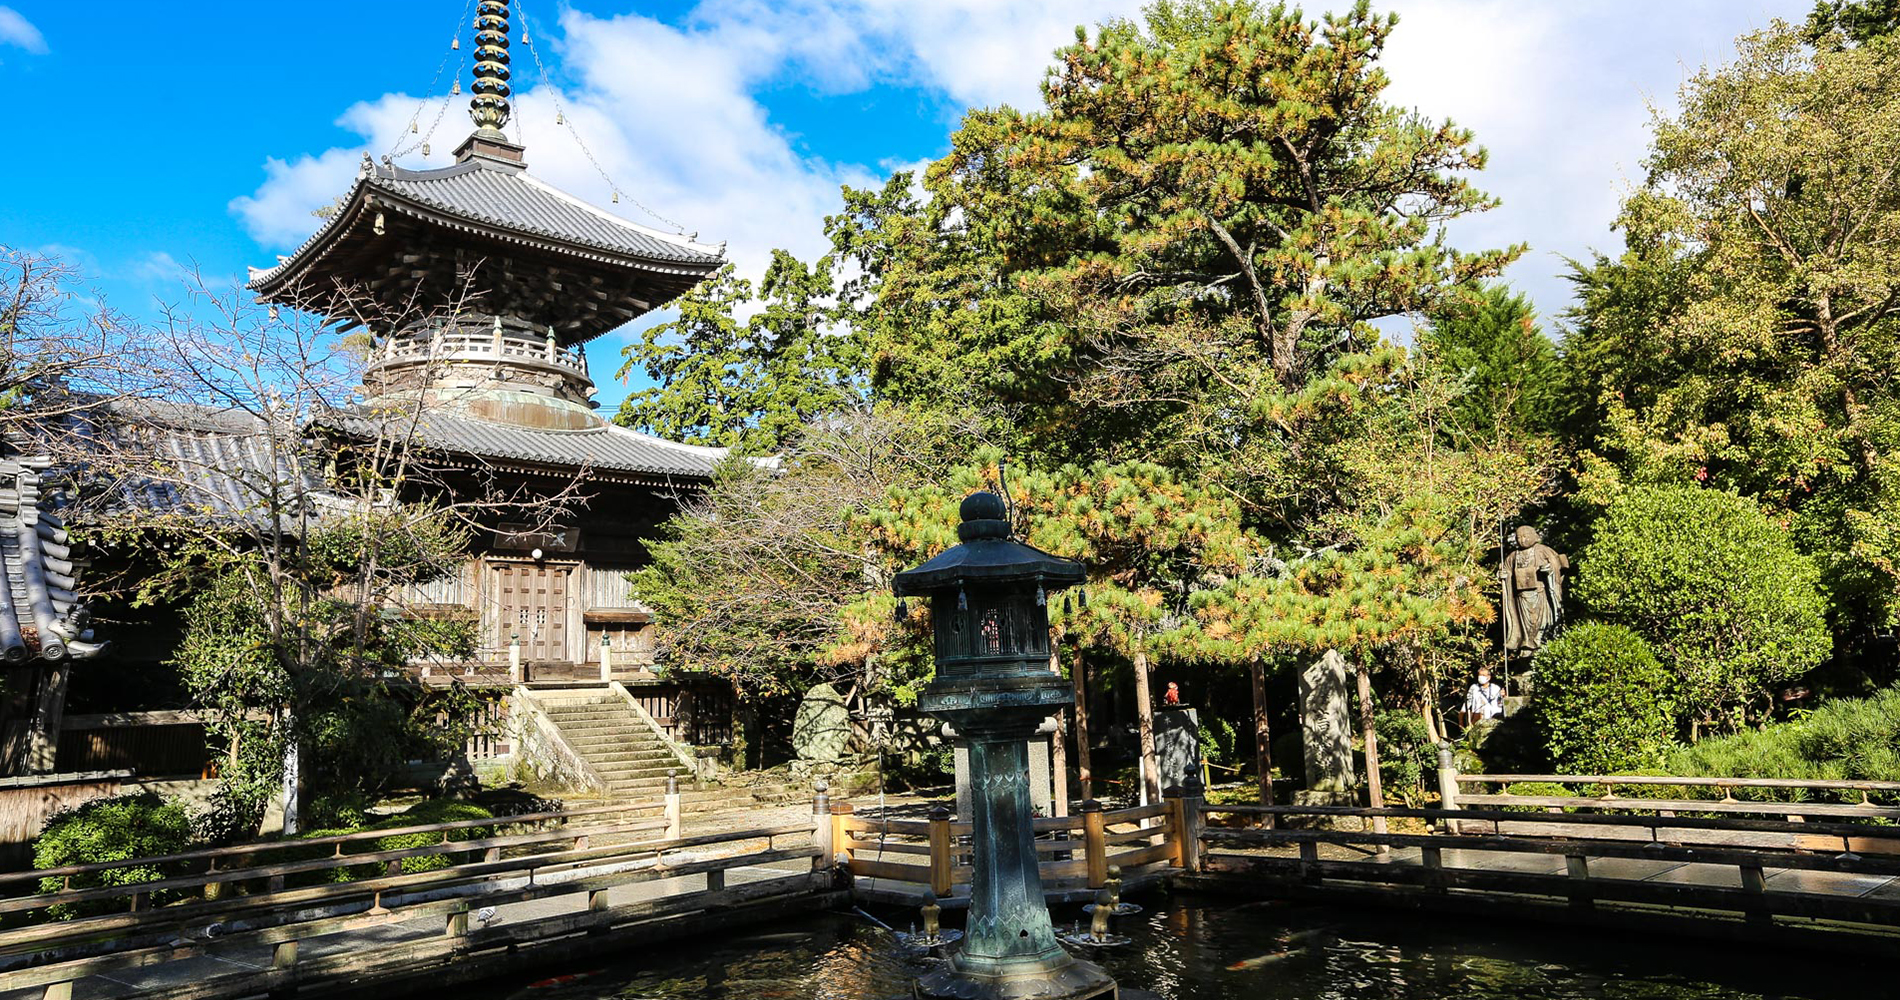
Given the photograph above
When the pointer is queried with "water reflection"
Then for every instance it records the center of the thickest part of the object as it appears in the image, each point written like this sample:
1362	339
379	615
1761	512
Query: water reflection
1211	949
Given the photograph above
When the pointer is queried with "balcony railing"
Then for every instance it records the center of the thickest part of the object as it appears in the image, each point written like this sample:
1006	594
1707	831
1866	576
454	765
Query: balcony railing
410	348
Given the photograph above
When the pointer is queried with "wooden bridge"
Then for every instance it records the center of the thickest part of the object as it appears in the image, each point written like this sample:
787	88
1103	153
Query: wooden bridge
1813	863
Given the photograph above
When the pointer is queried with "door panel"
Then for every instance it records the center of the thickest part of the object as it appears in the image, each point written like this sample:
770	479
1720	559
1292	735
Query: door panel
532	603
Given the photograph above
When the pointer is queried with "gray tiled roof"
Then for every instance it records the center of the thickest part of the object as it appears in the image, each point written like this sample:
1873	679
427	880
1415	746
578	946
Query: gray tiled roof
203	462
40	615
504	196
605	448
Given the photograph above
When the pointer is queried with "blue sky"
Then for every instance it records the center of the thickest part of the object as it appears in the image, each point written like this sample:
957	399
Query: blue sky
147	137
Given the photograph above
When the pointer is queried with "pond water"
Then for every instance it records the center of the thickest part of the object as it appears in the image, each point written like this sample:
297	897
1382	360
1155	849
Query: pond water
1189	948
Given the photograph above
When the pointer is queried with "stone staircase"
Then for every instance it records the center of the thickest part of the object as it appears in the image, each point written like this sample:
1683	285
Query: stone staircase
603	729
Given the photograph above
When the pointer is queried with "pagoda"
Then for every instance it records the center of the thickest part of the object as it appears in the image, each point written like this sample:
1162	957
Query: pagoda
480	283
479	286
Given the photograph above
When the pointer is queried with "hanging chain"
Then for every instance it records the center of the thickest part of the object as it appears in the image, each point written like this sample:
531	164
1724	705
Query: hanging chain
399	148
562	118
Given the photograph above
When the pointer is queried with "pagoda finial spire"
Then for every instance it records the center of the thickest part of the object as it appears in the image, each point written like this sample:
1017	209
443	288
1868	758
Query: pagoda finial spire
489	106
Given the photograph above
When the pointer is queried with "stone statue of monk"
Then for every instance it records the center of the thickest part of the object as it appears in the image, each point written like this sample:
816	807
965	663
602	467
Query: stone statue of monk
1532	577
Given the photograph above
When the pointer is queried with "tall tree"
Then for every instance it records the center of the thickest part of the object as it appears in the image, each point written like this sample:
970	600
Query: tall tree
746	382
1745	337
1489	340
1198	221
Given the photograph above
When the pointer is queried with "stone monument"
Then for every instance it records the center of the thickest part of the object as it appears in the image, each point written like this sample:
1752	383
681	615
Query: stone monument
821	730
1326	733
1178	749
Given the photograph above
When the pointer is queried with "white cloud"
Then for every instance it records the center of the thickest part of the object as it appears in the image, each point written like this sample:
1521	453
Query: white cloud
160	267
673	112
17	31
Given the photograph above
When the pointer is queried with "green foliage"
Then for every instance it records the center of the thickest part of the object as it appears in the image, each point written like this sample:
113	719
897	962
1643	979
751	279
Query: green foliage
1849	739
1408	759
1743	339
1834	23
1507	369
747	385
116	829
1717	591
1220	741
425	813
296	643
1603	701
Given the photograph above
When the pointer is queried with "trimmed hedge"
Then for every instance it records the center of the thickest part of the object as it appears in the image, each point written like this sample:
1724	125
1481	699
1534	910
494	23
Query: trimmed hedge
116	829
1602	702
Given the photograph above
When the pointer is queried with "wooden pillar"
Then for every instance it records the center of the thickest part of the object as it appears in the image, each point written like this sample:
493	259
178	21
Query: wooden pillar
1095	843
1375	796
1145	728
1262	735
1058	751
673	806
514	658
840	836
821	826
606	658
49	714
941	852
1078	674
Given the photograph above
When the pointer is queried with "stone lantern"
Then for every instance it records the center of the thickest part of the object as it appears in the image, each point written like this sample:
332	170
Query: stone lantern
989	610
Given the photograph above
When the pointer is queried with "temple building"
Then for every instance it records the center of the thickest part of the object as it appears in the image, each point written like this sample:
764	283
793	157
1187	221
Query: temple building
474	288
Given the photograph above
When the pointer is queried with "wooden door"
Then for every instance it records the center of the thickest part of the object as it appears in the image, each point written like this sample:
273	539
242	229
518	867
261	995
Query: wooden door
531	600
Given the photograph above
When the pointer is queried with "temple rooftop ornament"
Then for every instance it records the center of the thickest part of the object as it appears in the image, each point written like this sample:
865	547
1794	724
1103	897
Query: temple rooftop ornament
989	611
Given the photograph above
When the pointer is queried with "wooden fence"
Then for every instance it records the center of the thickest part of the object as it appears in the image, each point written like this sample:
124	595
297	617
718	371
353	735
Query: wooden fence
1075	851
1627	850
271	896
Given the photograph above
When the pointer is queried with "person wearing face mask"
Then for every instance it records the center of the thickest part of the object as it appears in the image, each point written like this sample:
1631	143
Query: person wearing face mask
1485	700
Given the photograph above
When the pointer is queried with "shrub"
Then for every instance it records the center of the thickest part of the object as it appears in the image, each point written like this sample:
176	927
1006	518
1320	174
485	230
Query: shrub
427	812
1602	704
1716	589
116	829
1845	740
1407	755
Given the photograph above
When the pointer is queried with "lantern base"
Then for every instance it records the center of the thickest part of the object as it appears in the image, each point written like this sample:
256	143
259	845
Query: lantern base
1076	980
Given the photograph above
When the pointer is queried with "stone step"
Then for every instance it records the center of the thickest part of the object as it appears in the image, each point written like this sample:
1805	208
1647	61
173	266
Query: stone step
627	735
614	748
631	771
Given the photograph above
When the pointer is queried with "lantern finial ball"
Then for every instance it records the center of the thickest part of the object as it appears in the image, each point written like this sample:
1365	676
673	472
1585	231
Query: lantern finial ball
984	516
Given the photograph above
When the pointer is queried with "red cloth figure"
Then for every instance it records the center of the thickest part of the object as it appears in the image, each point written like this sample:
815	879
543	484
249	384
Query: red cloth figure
1173	697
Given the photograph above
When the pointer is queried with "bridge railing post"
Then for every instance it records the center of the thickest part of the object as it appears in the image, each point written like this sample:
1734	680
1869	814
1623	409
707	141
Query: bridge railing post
841	846
821	826
673	805
1095	843
1448	784
941	852
1184	820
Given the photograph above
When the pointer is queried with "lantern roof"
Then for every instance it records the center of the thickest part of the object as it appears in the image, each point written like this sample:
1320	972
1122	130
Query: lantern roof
987	555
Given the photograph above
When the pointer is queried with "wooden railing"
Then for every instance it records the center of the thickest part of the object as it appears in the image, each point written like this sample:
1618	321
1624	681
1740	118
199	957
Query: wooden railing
1673	857
1075	851
244	890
